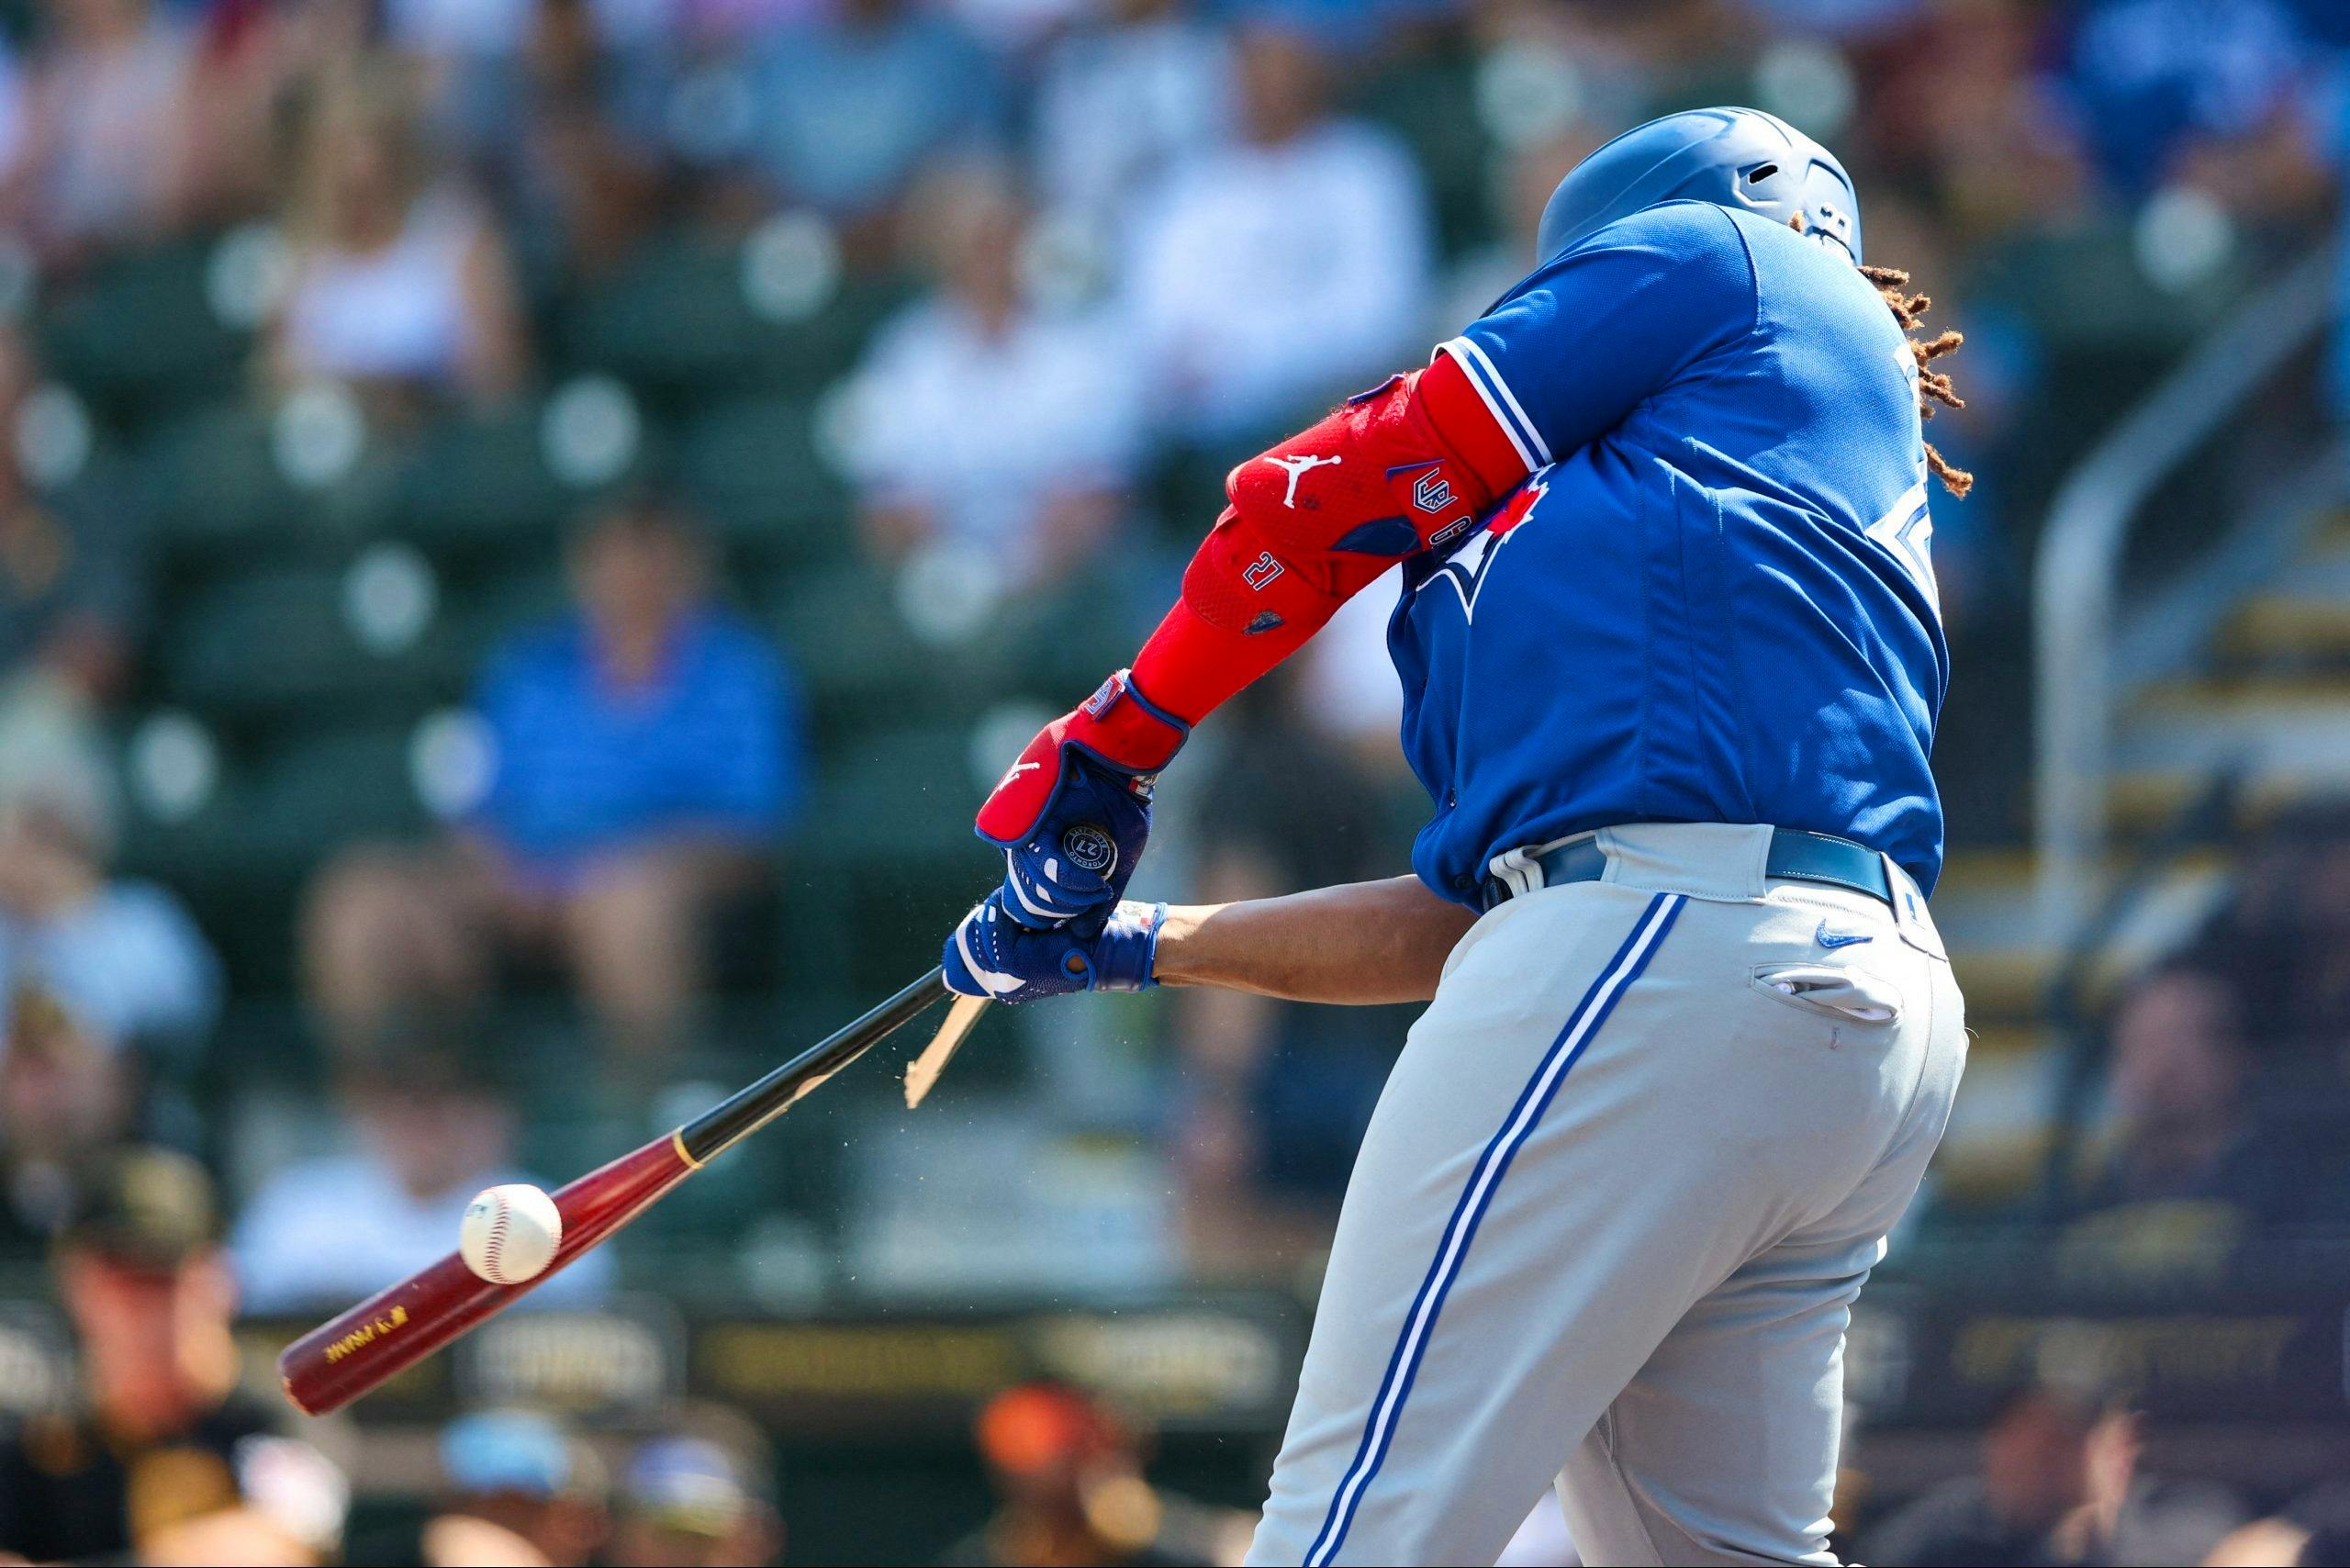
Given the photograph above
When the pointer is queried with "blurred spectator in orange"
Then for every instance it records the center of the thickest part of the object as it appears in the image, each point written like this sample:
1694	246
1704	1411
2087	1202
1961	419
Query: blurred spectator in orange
103	160
123	955
1004	430
1280	271
399	285
166	1457
1070	1475
647	753
1120	101
848	104
2188	1140
698	1496
423	1129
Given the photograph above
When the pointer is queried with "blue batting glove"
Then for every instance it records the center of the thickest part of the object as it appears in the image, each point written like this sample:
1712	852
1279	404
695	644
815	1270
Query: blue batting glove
993	955
1073	813
1075	861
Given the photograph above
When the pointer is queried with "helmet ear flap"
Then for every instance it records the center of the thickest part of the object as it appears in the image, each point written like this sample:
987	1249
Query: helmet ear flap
1830	213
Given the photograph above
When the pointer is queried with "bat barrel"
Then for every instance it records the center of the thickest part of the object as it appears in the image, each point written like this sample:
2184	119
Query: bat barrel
390	1331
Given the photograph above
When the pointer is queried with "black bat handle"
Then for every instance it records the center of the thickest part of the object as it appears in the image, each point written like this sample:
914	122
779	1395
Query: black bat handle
747	1110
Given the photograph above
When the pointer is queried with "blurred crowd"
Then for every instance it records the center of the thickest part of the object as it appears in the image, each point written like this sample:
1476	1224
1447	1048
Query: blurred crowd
2226	1082
166	1457
698	415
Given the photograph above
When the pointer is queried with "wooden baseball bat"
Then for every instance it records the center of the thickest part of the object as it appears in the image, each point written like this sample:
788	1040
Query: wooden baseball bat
338	1361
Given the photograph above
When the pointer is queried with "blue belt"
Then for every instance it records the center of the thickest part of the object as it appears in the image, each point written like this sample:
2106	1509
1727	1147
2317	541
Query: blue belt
1795	857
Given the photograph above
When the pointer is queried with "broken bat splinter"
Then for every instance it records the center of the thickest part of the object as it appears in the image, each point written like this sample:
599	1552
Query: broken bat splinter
923	1073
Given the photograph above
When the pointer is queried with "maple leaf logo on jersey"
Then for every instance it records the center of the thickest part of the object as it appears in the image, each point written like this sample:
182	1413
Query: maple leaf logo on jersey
1514	509
1465	572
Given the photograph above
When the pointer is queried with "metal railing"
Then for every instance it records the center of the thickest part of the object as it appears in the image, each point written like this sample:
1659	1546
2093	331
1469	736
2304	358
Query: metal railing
2078	690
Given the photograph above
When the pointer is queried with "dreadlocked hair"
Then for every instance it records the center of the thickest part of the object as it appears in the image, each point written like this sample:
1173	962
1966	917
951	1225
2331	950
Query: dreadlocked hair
1933	386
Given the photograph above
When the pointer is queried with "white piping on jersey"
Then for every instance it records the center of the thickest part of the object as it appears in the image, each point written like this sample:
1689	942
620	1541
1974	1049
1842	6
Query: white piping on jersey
1906	532
1500	401
1901	512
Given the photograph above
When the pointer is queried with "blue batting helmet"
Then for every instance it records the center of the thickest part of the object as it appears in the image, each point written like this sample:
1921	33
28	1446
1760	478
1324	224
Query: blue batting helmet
1741	159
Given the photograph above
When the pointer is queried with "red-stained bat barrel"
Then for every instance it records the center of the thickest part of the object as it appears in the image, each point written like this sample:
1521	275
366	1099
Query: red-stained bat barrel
337	1362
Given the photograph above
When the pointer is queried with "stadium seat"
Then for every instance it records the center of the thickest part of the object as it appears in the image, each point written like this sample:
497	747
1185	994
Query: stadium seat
138	335
220	490
677	322
479	612
480	482
1429	99
896	862
672	319
330	787
216	486
751	467
842	628
266	639
281	805
279	642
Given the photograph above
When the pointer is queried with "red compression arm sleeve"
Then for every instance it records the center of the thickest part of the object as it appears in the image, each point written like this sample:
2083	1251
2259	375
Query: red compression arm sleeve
1315	520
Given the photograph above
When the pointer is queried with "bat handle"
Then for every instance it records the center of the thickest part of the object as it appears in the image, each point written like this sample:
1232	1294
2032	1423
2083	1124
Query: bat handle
742	1113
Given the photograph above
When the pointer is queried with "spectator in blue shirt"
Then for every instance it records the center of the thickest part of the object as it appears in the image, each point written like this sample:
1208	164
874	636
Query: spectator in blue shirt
848	104
647	752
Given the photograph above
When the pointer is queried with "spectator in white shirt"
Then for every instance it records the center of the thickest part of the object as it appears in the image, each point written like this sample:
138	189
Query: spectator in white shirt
982	419
400	286
425	1133
1283	271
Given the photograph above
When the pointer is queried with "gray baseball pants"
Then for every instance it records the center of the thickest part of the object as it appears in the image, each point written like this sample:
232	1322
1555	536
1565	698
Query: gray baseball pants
1607	1226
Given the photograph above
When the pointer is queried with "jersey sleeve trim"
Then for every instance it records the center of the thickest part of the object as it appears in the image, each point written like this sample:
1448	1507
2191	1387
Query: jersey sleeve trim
1499	401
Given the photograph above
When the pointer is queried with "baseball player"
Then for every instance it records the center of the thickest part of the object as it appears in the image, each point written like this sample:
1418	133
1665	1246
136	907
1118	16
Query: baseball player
1672	660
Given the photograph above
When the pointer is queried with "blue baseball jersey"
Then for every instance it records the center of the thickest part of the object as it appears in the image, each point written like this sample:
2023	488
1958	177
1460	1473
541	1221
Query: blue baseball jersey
1711	600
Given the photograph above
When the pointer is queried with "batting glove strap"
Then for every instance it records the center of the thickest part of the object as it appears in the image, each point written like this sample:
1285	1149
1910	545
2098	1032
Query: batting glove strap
1126	952
993	955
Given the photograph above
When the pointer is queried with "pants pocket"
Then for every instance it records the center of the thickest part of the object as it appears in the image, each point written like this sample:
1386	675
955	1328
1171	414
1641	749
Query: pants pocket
1853	994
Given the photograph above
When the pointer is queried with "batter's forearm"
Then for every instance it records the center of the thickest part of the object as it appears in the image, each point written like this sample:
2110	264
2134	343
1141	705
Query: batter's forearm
1317	519
1363	942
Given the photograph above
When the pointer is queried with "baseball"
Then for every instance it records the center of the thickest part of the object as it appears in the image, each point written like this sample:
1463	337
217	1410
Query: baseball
510	1233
